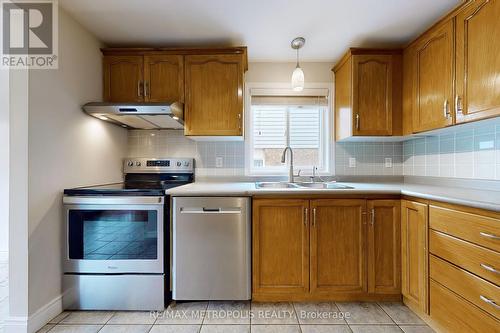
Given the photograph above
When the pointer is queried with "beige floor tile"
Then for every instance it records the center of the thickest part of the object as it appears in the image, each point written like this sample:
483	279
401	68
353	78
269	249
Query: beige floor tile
225	329
416	329
318	313
275	329
175	329
61	328
46	328
125	329
400	313
375	329
325	329
237	313
133	317
59	317
189	313
364	313
273	313
87	317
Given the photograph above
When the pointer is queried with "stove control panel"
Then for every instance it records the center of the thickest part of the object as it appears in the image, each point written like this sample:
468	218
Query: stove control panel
158	165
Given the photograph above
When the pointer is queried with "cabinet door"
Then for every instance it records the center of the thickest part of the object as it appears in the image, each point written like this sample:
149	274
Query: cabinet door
164	78
384	246
214	95
280	247
434	59
408	89
414	240
372	94
478	61
123	79
338	233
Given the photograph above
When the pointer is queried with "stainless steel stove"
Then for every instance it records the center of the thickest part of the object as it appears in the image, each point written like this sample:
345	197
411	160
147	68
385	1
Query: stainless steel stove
115	257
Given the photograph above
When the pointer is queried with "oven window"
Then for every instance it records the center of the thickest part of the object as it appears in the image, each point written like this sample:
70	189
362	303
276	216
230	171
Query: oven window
113	234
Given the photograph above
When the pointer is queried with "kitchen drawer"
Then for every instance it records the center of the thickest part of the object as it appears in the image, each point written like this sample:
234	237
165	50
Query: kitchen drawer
454	314
467	285
475	259
478	229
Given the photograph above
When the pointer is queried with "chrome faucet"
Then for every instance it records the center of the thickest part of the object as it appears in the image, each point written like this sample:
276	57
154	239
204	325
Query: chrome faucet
283	159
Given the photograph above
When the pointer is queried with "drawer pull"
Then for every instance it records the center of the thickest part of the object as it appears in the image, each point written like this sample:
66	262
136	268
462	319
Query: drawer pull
489	301
489	268
484	234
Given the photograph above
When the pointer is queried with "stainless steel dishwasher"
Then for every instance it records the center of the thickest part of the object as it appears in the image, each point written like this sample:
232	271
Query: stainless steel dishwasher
211	248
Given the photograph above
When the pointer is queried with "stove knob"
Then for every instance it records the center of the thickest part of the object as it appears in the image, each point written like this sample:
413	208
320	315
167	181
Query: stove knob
138	163
130	163
186	163
179	164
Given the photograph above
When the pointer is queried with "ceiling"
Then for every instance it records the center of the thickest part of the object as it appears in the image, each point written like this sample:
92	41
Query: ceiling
265	26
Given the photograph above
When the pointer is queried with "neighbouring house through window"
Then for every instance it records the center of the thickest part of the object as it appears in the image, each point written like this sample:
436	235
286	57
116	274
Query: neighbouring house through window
298	121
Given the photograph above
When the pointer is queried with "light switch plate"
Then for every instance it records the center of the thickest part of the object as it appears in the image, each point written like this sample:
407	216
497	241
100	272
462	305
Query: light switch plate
219	162
388	162
352	162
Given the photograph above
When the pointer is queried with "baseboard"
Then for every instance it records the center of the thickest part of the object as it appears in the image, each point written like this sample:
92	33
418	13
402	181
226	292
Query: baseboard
44	314
37	320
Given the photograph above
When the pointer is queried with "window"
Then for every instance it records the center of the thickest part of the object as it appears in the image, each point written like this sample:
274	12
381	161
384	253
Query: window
278	121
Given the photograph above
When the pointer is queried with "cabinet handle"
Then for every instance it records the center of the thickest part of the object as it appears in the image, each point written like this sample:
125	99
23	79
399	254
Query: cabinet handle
458	105
372	219
489	301
146	88
139	88
239	121
487	235
489	268
306	211
446	112
357	121
314	217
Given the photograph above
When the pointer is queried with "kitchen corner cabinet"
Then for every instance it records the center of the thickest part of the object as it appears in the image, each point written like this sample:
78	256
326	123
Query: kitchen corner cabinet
433	62
139	78
414	240
325	249
478	61
368	93
214	95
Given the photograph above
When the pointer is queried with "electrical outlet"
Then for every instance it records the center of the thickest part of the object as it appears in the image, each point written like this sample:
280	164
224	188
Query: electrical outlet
219	162
352	162
388	162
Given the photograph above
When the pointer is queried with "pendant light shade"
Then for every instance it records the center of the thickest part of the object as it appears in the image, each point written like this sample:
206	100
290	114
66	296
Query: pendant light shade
298	73
298	79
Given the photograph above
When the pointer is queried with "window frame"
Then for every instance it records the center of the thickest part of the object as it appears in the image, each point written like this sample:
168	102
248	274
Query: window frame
283	89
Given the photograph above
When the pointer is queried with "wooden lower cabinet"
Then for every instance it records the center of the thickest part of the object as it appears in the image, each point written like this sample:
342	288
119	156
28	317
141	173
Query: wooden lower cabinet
280	247
414	261
324	249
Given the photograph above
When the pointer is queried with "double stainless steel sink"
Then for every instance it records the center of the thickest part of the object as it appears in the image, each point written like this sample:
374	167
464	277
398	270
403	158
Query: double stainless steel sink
313	185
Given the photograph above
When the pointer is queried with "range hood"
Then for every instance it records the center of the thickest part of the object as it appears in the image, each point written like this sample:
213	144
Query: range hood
140	115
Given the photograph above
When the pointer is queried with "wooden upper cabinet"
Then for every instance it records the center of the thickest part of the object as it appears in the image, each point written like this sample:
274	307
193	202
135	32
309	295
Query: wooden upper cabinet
214	95
368	93
434	77
384	246
478	61
414	245
408	89
280	247
123	78
164	78
338	260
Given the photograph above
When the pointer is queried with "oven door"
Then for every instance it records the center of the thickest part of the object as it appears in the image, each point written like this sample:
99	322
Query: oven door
113	235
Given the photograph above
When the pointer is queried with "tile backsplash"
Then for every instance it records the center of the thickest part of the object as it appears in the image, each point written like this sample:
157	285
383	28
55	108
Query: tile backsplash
467	151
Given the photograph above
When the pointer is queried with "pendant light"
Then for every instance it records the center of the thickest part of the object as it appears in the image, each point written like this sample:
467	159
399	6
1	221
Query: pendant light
298	73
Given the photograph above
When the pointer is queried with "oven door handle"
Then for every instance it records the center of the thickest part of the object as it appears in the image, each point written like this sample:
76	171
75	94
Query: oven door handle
112	200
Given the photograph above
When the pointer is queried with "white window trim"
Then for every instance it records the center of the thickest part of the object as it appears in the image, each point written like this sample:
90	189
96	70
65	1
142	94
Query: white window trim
280	88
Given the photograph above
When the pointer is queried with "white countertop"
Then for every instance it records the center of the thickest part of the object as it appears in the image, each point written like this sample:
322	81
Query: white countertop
485	199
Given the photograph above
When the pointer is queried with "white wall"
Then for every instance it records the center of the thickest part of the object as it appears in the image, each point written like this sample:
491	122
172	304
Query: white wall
4	167
66	149
282	71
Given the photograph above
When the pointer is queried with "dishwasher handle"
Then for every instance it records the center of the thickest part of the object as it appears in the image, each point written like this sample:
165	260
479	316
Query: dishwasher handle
210	210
